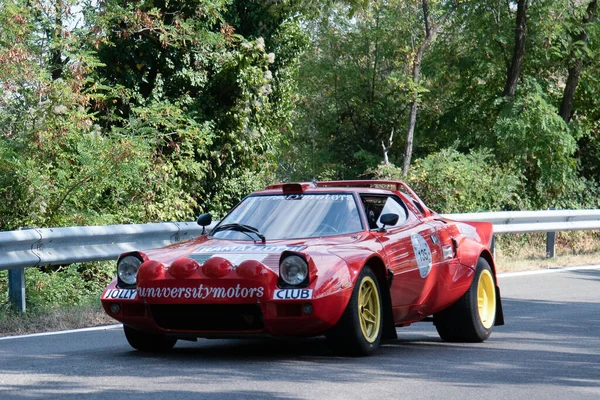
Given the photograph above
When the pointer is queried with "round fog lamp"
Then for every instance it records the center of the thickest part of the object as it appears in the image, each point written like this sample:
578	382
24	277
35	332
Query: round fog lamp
307	309
115	308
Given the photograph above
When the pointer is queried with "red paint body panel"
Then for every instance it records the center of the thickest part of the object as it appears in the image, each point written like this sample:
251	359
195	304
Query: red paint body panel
428	264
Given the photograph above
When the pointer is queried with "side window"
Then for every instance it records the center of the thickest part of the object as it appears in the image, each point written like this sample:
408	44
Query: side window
376	206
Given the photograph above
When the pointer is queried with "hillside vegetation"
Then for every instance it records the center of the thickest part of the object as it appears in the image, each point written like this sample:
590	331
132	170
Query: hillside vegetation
141	111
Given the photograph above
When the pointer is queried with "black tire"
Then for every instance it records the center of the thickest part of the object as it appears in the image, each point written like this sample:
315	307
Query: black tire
148	342
472	317
358	332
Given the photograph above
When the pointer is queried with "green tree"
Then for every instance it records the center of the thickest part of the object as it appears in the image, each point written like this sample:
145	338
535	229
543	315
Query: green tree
57	165
356	86
209	81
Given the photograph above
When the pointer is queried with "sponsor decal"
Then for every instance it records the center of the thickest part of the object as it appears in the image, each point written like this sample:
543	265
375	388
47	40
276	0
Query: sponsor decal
202	292
120	294
422	254
213	250
292	294
321	198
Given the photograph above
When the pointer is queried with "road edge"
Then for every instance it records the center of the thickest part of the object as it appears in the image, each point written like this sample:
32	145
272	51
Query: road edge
547	271
92	329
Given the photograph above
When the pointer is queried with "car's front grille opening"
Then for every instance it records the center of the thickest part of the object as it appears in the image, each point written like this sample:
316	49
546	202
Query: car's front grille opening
208	317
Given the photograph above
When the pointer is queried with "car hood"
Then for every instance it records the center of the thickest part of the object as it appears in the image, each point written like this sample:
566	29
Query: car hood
269	253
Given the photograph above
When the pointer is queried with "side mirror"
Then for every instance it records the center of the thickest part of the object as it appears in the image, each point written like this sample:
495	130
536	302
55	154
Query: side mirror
388	219
204	220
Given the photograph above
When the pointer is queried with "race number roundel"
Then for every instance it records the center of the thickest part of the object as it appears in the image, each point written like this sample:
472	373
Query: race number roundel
422	254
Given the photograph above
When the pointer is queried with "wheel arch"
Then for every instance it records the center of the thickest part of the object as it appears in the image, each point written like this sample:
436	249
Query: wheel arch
384	279
487	256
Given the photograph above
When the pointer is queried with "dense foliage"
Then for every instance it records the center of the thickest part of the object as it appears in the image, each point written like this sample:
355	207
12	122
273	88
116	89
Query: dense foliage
139	111
455	182
358	85
122	111
154	110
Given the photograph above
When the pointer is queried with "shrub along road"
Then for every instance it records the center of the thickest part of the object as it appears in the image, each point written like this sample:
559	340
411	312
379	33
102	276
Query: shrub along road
549	348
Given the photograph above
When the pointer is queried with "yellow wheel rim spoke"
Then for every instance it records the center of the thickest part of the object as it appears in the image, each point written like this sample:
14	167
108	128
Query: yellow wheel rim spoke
486	299
365	295
369	309
369	317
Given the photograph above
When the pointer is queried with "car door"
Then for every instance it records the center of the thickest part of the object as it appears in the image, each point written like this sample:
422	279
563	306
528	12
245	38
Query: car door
411	248
441	279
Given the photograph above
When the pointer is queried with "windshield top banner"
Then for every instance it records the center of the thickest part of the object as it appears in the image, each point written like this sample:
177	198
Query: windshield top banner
247	249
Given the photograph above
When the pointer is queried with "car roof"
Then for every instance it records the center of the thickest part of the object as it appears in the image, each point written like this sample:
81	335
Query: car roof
384	187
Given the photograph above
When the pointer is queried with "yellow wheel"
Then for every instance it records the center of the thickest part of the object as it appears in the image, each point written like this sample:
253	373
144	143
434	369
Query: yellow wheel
486	299
473	316
358	332
369	309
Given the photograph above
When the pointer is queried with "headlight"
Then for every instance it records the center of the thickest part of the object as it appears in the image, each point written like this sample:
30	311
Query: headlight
127	269
293	270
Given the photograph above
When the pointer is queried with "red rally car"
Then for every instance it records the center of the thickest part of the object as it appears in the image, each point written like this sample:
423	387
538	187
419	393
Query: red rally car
348	259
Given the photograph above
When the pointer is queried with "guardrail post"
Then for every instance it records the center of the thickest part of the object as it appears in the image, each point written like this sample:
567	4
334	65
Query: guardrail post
550	244
493	246
16	288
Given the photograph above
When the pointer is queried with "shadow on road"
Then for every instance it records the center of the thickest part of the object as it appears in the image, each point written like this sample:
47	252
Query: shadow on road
542	343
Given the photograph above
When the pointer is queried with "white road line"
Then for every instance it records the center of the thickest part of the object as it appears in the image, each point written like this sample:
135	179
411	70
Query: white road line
95	328
548	271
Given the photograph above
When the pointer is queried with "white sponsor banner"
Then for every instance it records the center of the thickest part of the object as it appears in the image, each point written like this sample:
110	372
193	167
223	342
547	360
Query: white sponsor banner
322	198
250	248
202	292
292	294
120	294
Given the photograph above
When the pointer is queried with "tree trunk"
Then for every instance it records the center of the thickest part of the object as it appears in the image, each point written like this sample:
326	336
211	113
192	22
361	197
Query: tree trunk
519	51
387	148
56	61
430	34
566	106
412	119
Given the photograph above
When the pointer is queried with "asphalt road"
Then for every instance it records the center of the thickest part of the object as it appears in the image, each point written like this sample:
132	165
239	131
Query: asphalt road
549	349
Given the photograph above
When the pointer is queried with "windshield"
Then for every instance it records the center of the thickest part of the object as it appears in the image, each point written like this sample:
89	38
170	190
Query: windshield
294	216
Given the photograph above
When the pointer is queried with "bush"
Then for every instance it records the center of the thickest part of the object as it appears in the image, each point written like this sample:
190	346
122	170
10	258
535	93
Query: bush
453	182
60	287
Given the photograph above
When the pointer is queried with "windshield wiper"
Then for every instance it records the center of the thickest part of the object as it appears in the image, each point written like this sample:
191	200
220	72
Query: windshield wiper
239	228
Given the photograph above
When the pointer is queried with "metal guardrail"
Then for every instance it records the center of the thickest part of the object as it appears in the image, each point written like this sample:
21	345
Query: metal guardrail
58	246
535	221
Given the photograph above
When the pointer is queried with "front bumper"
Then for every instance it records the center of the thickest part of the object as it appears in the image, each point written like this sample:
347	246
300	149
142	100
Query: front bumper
238	301
301	317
